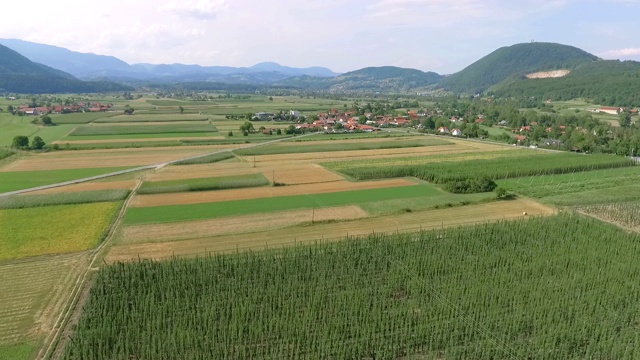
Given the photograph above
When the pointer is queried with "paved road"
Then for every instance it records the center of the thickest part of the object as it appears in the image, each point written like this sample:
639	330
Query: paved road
147	167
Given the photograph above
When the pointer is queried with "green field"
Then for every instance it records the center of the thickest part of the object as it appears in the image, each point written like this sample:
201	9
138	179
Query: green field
143	129
591	197
202	184
17	351
139	136
142	118
18	180
64	198
560	287
81	118
286	148
176	213
45	230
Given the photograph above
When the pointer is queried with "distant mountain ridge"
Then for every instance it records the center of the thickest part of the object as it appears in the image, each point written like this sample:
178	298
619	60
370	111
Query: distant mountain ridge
21	75
92	66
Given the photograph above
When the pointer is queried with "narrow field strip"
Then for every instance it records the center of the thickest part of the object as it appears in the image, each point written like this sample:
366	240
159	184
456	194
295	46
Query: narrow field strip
268	192
177	213
89	186
11	181
236	224
63	198
430	219
142	129
203	184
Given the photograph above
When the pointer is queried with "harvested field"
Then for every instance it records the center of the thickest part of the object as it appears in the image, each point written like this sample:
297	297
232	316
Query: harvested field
430	219
467	147
265	192
90	186
32	297
289	174
236	225
106	158
151	118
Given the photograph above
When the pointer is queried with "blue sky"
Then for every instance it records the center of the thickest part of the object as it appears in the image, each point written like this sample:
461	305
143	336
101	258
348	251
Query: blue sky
432	35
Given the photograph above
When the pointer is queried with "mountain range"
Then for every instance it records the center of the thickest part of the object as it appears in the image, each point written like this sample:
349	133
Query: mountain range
541	70
91	66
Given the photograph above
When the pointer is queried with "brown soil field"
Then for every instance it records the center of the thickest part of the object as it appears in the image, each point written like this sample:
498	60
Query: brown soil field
198	197
62	142
430	219
288	173
235	225
102	158
89	186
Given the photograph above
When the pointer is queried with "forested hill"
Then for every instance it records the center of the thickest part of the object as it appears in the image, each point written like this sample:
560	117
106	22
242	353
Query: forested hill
606	82
515	60
371	79
20	75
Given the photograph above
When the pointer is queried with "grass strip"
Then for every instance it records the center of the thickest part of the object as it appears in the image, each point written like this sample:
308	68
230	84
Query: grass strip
208	159
203	184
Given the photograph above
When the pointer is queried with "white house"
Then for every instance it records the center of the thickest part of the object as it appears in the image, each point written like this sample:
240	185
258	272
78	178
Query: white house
294	113
443	130
456	132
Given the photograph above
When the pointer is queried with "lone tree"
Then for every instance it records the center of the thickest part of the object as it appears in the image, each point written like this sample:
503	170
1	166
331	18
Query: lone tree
128	110
46	120
20	142
181	109
37	143
246	127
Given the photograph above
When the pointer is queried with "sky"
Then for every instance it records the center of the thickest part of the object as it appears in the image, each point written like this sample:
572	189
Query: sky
431	35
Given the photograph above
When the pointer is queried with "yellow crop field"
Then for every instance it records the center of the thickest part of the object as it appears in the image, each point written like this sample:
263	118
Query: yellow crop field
53	229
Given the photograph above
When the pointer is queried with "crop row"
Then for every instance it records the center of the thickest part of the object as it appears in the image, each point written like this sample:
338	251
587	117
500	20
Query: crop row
203	184
543	288
143	129
63	198
499	168
339	146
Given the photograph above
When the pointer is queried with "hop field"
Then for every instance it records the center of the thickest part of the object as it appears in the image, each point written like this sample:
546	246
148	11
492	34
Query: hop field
499	168
546	288
625	214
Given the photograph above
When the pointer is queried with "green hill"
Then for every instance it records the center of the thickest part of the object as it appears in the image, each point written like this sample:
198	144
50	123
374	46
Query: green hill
606	82
514	61
388	79
20	75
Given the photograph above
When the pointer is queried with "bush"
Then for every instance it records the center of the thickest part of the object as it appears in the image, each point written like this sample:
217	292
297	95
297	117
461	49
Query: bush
230	133
469	186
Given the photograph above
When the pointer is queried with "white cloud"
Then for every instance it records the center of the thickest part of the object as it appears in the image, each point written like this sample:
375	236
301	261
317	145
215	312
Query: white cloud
202	9
621	53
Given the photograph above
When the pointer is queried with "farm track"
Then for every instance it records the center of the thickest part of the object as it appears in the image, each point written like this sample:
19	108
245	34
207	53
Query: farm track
145	167
54	343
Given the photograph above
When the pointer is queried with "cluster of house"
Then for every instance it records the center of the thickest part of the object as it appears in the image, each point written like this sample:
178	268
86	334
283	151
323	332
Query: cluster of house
62	109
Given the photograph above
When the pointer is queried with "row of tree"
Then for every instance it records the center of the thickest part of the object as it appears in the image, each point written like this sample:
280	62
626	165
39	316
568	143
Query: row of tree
21	142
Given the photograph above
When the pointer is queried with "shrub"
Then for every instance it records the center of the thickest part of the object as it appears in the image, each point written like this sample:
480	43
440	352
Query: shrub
471	185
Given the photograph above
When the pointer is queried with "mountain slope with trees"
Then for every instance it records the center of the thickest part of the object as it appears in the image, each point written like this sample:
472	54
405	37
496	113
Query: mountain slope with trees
370	79
21	75
516	60
606	82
